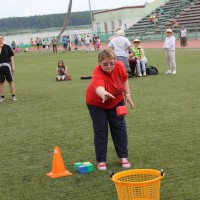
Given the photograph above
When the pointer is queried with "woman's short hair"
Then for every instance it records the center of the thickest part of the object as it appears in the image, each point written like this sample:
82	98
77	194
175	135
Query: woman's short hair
120	33
106	53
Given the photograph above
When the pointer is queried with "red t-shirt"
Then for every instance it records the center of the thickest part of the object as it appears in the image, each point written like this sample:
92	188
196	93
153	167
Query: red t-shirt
113	83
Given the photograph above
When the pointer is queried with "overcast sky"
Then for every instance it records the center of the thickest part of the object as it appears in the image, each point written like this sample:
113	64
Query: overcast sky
20	8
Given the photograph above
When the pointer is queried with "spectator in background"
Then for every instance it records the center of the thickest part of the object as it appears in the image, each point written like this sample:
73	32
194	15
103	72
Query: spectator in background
69	43
37	42
13	46
98	44
153	19
76	41
40	42
121	46
183	37
26	49
47	44
169	47
64	43
87	43
83	38
43	44
94	40
17	50
31	42
54	43
161	11
174	24
138	53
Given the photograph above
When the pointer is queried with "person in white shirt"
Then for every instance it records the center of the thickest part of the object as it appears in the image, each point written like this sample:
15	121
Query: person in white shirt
26	49
121	46
87	43
183	37
169	46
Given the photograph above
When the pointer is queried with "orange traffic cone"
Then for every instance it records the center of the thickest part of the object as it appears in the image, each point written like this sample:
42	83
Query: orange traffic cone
58	167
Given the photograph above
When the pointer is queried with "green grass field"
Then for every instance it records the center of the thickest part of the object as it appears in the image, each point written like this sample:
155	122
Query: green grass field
163	129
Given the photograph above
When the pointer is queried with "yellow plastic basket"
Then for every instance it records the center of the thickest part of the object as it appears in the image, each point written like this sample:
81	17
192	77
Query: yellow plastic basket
138	184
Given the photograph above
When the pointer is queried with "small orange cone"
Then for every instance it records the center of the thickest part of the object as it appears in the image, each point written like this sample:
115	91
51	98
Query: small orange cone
58	167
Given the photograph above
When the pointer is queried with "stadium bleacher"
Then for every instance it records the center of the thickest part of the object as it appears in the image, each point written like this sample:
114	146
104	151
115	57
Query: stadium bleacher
184	12
190	16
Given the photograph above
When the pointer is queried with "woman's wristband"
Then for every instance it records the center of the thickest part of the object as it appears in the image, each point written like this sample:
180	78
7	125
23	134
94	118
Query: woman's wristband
127	94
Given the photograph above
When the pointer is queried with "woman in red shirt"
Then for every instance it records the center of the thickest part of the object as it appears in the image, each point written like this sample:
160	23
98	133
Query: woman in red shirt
108	89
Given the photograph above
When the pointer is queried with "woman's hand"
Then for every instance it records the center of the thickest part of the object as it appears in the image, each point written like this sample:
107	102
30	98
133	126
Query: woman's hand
107	96
129	100
101	92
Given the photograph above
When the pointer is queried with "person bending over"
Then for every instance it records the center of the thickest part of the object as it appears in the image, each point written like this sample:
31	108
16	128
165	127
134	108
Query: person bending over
108	89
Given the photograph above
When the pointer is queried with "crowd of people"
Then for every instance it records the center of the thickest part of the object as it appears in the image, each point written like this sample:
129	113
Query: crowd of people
87	42
76	40
66	41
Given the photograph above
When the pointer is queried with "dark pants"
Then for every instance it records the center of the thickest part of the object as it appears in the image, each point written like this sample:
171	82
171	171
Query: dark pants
101	118
6	73
54	48
132	63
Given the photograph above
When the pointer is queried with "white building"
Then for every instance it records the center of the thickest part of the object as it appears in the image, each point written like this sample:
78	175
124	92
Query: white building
110	19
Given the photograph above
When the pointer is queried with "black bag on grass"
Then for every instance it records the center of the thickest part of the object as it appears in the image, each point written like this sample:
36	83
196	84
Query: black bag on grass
151	70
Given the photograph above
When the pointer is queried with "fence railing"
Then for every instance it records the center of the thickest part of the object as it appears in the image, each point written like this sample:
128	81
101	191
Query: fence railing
192	34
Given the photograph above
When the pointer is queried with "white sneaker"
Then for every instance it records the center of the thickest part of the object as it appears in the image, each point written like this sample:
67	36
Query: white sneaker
144	74
14	98
101	166
1	99
174	72
140	74
169	71
125	163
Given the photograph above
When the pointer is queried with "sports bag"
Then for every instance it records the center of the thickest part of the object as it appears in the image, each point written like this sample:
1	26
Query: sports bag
68	77
151	70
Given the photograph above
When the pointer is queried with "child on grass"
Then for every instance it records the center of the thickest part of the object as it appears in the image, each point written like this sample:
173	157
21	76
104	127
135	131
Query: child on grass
61	71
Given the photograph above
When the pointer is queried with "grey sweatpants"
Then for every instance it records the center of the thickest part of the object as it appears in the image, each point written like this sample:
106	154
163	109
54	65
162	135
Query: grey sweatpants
125	61
170	58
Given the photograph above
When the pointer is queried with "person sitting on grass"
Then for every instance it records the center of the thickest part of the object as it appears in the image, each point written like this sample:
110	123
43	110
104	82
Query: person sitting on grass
132	62
61	71
26	49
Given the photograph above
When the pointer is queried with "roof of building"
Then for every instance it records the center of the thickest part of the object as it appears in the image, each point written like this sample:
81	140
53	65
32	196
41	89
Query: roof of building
116	9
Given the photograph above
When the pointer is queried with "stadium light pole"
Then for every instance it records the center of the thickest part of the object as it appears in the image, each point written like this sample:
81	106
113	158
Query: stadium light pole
91	14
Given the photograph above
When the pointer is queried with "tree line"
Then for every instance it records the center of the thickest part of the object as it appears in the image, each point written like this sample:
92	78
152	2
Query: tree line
44	21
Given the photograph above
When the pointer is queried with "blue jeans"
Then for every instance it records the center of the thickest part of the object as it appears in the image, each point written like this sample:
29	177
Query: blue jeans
101	118
143	63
